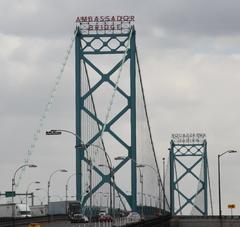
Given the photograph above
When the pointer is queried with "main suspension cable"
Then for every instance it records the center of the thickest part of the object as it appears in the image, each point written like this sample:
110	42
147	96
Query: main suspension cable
148	125
210	190
46	110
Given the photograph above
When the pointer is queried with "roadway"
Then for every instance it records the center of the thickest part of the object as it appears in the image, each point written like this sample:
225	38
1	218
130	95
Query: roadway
68	223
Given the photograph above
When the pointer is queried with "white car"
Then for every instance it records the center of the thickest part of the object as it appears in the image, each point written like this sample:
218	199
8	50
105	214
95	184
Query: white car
101	213
79	218
133	217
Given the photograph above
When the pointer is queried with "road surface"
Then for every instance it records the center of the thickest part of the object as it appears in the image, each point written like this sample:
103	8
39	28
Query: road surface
67	223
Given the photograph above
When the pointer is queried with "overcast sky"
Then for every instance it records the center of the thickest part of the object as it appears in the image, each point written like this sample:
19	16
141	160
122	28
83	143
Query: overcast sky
190	61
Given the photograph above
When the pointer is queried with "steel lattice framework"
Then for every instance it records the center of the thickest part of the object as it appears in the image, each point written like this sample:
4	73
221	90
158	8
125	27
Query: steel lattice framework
84	47
198	153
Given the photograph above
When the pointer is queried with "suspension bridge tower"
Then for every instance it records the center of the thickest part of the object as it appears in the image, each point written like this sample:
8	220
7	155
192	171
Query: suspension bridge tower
104	36
188	174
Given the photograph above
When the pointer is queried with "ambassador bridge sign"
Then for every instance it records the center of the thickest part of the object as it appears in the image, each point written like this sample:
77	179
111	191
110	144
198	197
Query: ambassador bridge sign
186	138
105	24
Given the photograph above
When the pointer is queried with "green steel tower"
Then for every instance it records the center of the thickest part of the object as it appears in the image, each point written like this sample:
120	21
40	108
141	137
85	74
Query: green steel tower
188	152
105	30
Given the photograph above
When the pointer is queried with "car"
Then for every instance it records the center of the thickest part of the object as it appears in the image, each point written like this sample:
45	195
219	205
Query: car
105	218
80	218
101	213
134	217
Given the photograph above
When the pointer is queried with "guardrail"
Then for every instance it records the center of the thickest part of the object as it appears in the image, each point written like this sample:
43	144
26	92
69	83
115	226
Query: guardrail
118	222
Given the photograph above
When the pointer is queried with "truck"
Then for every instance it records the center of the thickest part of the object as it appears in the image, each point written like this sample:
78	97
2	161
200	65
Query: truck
103	210
17	210
64	207
38	210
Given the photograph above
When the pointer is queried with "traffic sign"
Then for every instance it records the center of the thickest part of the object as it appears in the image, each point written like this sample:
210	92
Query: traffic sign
53	132
231	206
10	194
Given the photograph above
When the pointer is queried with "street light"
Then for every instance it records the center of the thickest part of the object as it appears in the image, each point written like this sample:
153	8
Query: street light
219	181
107	196
111	192
85	146
141	182
34	182
158	177
66	187
159	184
164	198
13	183
58	170
139	166
41	199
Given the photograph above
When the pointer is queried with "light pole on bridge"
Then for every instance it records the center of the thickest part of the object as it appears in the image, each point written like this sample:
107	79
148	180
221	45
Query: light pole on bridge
66	188
219	181
33	182
159	184
13	184
85	146
164	197
158	177
49	182
41	199
139	166
112	190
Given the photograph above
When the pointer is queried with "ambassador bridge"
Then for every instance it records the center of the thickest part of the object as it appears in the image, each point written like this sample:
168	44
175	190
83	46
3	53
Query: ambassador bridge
116	161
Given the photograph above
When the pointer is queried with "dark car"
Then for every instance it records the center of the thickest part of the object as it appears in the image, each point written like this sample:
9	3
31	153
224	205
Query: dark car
105	218
80	218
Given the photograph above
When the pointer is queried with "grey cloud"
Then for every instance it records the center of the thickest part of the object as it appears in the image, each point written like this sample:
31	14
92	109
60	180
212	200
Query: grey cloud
189	53
200	18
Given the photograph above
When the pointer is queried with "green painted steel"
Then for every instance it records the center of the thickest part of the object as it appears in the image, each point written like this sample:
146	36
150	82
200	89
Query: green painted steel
199	154
78	103
81	55
133	154
205	177
172	186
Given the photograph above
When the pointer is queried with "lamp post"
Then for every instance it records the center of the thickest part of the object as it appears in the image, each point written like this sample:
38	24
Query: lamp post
85	146
107	196
41	199
90	187
111	192
59	132
145	199
66	188
219	181
139	166
159	184
141	182
150	199
13	183
164	205
100	198
158	178
34	182
49	181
